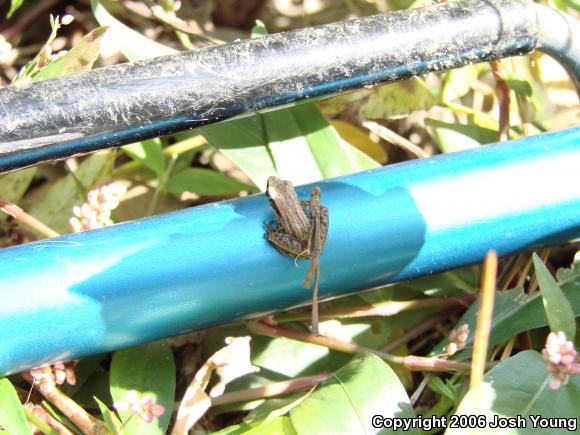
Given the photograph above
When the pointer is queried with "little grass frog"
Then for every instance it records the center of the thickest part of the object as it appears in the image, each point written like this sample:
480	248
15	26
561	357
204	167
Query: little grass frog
293	230
300	230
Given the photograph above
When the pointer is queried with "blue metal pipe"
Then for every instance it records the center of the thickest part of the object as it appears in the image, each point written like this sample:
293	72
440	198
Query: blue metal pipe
139	281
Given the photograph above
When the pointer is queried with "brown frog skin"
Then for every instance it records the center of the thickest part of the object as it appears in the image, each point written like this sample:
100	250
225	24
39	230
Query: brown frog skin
300	230
288	233
285	243
290	213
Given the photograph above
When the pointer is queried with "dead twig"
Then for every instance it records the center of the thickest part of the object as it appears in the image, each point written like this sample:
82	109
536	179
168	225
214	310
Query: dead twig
271	390
395	139
74	412
500	75
484	317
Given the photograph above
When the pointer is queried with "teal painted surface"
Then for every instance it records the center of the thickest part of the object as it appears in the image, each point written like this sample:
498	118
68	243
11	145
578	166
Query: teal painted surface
151	278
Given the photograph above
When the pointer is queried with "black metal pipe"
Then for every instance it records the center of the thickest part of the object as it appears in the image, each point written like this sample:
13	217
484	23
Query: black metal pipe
112	106
559	36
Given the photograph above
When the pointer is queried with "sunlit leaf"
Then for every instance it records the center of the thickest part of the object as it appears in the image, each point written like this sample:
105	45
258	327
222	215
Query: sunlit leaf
52	204
295	143
396	100
558	310
111	420
519	387
360	139
457	82
244	142
347	402
259	30
205	182
149	152
12	416
14	184
132	44
520	87
512	313
80	58
280	425
148	369
451	137
14	6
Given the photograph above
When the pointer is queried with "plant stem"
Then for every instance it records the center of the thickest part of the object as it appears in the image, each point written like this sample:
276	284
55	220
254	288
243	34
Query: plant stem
484	317
383	309
160	189
42	425
395	139
418	330
503	98
413	363
27	219
271	390
75	413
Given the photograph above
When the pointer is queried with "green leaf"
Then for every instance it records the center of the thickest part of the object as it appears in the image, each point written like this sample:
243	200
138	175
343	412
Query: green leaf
519	387
396	100
451	137
296	143
40	424
14	6
569	274
259	30
132	44
520	87
84	371
205	182
279	358
14	184
457	82
393	100
275	407
149	369
574	4
96	385
149	152
80	58
53	204
289	147
280	425
334	156
444	388
243	141
558	310
12	416
456	282
112	422
512	313
58	416
347	402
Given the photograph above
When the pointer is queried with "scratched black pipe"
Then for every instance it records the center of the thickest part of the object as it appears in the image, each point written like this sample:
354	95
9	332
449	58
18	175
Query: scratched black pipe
115	105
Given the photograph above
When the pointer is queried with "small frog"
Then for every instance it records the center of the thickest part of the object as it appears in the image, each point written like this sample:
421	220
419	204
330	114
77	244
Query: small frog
300	230
292	231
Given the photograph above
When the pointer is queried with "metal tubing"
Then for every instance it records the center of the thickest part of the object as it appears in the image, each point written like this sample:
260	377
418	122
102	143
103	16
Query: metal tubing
559	36
124	103
139	281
